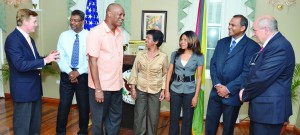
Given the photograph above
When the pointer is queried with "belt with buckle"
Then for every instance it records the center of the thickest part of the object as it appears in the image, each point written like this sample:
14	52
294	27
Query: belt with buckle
74	69
184	78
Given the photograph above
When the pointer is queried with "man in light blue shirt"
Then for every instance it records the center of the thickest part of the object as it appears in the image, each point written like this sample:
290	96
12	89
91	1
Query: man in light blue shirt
73	64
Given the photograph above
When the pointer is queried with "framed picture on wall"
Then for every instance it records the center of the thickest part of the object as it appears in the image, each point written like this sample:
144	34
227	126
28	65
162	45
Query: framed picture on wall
154	20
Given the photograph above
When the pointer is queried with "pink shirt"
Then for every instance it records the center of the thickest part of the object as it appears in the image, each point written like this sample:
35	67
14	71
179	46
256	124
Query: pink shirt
103	44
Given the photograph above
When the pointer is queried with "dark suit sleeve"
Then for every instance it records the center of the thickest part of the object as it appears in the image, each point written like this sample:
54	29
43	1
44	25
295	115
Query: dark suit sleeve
235	85
15	53
213	66
268	71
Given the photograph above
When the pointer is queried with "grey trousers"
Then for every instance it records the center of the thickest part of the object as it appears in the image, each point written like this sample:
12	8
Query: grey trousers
27	117
107	114
146	110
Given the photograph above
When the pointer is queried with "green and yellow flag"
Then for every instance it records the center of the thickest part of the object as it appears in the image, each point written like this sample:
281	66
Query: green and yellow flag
198	122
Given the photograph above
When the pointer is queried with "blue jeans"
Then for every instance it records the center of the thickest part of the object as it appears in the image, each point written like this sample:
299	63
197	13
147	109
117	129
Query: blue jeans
178	101
108	113
66	92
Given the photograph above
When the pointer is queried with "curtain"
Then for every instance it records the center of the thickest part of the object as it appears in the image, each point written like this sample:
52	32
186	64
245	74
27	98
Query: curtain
1	63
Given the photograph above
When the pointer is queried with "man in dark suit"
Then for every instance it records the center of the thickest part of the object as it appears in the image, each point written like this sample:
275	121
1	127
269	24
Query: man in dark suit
268	86
229	68
25	77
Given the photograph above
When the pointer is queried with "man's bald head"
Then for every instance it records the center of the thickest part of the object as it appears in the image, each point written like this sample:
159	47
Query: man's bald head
114	15
113	6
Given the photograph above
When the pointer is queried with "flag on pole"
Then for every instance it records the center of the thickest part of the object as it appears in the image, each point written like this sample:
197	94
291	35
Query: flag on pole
198	122
91	15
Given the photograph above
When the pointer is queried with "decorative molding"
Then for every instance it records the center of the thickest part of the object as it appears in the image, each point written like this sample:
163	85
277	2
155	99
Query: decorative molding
252	5
182	4
71	3
126	4
2	16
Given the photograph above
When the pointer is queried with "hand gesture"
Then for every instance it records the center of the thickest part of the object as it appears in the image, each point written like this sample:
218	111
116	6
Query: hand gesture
53	56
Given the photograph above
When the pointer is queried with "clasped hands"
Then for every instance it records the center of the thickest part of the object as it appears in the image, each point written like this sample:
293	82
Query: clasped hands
222	91
73	76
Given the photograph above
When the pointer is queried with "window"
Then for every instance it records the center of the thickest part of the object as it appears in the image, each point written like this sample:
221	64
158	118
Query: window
219	13
214	28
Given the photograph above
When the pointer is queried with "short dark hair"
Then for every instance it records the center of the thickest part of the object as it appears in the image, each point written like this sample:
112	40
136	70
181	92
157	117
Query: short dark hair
157	35
79	13
244	21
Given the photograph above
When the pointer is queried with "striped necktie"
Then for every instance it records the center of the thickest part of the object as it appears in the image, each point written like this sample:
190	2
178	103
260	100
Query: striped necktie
233	44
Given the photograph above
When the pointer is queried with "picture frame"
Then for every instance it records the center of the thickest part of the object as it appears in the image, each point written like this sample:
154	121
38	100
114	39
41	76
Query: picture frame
152	19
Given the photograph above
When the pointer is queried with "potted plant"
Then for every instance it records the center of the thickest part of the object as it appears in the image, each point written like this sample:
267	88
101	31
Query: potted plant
47	70
295	82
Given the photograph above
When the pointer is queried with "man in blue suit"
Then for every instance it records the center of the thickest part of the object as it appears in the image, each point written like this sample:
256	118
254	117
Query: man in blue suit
25	78
268	86
228	69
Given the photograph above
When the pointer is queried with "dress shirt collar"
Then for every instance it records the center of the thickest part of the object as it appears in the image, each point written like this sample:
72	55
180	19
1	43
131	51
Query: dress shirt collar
23	32
237	40
145	52
107	29
267	41
74	33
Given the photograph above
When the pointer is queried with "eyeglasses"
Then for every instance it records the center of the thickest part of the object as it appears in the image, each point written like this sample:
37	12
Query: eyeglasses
253	59
75	20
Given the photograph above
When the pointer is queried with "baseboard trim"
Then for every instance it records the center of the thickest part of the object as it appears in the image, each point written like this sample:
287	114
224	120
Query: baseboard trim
289	127
44	99
51	100
162	114
7	95
296	130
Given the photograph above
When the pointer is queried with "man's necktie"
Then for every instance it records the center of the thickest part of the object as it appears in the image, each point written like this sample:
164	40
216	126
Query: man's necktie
261	49
233	44
75	53
30	45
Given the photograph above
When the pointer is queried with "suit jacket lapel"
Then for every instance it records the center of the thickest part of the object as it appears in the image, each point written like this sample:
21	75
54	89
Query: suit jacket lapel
278	35
25	43
35	49
193	58
240	45
273	39
178	61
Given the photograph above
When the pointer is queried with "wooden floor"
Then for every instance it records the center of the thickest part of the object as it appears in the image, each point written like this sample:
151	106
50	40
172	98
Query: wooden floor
49	122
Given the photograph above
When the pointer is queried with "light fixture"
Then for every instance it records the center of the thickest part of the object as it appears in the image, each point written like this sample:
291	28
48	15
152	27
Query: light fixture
280	4
16	3
35	4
